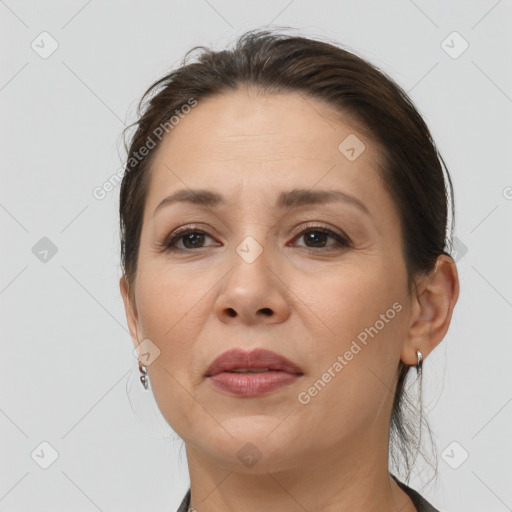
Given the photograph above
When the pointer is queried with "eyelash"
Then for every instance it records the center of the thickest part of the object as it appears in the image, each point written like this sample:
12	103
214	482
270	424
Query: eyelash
342	241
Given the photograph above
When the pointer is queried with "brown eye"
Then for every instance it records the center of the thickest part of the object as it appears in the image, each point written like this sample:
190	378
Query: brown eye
316	238
193	240
190	238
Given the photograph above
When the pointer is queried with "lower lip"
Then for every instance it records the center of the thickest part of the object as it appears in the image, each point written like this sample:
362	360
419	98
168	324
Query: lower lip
252	384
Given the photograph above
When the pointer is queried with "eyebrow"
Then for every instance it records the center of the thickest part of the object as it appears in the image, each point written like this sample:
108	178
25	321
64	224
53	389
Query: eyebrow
286	200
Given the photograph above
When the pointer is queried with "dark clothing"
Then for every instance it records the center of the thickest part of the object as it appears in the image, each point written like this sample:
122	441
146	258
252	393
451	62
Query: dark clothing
419	501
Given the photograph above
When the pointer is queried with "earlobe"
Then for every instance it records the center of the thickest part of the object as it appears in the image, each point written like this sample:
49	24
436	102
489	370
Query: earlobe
432	310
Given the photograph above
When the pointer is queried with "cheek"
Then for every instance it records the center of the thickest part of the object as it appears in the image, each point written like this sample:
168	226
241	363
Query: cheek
166	296
365	311
352	299
172	310
171	316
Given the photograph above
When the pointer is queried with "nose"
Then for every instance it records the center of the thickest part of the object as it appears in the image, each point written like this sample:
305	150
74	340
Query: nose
252	292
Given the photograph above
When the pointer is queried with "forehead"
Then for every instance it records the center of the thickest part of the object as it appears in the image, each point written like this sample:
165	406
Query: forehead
261	144
262	126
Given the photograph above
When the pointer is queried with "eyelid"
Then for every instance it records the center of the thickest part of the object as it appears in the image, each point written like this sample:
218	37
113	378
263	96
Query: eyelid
342	241
314	225
175	235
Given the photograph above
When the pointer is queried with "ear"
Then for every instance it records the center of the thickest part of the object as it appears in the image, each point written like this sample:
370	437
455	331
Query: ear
132	316
432	309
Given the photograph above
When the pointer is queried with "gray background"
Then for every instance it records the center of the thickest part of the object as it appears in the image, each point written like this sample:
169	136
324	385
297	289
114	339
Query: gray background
66	355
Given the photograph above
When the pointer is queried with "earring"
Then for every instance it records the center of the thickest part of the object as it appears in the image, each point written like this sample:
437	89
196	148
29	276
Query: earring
144	406
419	355
144	375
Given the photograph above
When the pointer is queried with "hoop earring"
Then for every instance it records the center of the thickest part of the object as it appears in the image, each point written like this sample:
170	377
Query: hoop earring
419	364
144	375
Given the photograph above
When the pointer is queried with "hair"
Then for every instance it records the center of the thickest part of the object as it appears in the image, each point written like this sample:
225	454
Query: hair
410	165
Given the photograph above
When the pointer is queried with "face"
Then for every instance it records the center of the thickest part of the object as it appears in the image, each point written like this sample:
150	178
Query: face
319	279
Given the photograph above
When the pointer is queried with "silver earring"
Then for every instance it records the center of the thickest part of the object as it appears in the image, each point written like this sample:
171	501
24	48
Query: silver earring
144	375
419	355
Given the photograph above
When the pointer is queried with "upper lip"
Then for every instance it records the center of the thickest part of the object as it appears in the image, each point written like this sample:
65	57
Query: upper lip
258	358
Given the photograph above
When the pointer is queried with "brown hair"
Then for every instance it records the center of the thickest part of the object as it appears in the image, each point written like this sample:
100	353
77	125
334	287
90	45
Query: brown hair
273	62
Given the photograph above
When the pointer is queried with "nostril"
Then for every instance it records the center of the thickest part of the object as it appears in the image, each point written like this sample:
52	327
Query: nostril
266	311
231	312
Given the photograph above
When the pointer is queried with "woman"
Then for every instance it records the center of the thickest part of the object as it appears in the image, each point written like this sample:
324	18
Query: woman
283	242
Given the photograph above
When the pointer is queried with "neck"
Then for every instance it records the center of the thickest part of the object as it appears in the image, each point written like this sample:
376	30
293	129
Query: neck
336	479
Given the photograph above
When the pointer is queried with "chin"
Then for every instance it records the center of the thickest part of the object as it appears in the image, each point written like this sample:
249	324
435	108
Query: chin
255	446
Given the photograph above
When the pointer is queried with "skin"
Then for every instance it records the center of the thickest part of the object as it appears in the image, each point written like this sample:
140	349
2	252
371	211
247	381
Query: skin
332	453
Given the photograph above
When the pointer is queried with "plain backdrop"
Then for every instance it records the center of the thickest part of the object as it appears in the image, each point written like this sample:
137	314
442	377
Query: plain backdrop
71	74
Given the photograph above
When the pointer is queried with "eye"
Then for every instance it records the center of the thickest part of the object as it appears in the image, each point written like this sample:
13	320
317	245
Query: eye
317	236
191	239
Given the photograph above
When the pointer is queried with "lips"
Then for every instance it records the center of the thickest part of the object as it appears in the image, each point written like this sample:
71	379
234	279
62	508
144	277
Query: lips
255	361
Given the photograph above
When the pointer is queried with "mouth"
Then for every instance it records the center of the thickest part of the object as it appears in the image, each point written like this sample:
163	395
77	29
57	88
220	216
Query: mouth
254	370
256	361
254	373
251	384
